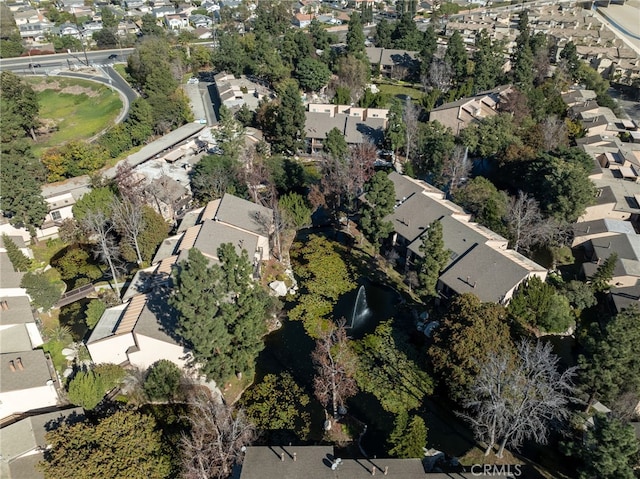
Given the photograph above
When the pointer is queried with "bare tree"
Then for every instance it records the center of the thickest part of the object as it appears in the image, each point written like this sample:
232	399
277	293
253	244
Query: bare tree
554	133
410	116
440	75
361	165
457	167
129	220
517	398
99	229
214	445
129	183
527	225
335	366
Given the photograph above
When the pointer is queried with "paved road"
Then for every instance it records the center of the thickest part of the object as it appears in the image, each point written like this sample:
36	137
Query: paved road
50	63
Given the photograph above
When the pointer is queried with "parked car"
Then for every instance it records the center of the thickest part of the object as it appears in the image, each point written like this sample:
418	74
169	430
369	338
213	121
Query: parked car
113	56
34	65
192	81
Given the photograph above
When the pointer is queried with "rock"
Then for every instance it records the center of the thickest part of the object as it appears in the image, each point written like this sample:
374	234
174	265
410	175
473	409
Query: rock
279	288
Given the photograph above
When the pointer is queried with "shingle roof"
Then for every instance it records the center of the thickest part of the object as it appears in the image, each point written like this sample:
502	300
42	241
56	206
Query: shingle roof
15	338
35	372
18	310
487	273
213	234
9	277
244	214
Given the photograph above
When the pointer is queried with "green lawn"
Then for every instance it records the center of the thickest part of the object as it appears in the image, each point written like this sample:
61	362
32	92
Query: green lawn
79	109
397	90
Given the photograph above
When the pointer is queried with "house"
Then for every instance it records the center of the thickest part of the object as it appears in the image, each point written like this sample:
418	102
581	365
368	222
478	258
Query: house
323	462
625	297
18	328
60	207
462	113
22	443
600	228
302	20
626	246
234	92
393	63
167	197
10	278
479	260
27	382
200	21
358	125
176	21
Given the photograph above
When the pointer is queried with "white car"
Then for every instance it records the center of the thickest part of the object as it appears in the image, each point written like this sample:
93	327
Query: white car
193	81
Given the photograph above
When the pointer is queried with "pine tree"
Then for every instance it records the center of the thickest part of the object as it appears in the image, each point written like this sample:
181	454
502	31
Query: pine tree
456	57
380	195
288	125
487	61
603	275
18	259
429	47
355	36
434	258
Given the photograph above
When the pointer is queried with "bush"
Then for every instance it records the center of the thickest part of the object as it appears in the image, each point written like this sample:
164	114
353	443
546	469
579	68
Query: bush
162	381
86	390
19	261
44	294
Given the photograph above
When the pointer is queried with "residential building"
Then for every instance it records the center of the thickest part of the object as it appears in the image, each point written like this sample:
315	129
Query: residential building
393	63
27	383
10	278
358	125
176	22
302	20
234	92
626	246
23	442
168	197
462	113
60	208
479	261
18	329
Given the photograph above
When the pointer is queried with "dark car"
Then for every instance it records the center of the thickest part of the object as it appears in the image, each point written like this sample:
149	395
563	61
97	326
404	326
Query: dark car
34	65
113	56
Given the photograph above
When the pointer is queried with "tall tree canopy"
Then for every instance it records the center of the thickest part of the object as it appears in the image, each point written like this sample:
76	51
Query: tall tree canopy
381	197
433	260
221	312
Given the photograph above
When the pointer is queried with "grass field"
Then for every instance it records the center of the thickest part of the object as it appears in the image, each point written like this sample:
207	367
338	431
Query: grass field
399	91
73	109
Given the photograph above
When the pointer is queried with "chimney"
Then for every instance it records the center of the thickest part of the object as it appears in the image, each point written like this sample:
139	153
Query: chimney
282	456
386	470
12	367
295	456
373	471
19	363
474	283
5	305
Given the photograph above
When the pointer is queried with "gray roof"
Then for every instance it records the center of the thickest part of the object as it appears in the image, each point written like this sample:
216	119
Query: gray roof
18	240
354	128
626	245
35	373
404	186
213	234
459	238
314	462
412	217
158	320
167	248
166	189
317	124
18	312
485	272
626	297
606	225
389	57
9	277
15	338
243	214
107	324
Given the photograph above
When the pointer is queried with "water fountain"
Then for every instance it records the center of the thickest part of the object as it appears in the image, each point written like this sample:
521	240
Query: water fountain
361	309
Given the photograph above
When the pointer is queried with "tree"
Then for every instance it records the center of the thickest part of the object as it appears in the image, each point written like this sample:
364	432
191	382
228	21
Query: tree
456	169
353	74
609	365
229	134
125	444
608	449
601	279
429	47
74	265
406	35
44	293
277	403
435	144
105	38
408	438
129	221
433	260
570	54
19	99
518	398
483	200
335	365
221	313
86	390
526	225
487	63
395	135
163	381
355	36
19	260
296	210
312	74
214	176
410	118
94	311
580	294
153	233
73	159
98	200
382	37
538	304
216	440
336	145
456	57
470	333
381	198
389	367
100	228
287	130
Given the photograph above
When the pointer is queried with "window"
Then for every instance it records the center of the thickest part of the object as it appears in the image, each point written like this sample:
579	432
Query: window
55	215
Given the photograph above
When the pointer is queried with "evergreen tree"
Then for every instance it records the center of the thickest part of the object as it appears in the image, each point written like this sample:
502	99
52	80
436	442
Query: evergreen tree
221	313
609	449
287	131
434	258
382	36
456	57
381	197
522	59
336	145
395	134
18	259
44	294
406	35
163	381
603	275
487	63
429	47
408	437
355	36
86	389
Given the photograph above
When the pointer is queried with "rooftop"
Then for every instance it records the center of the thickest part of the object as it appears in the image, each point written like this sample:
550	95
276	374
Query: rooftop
15	310
245	215
33	374
9	278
